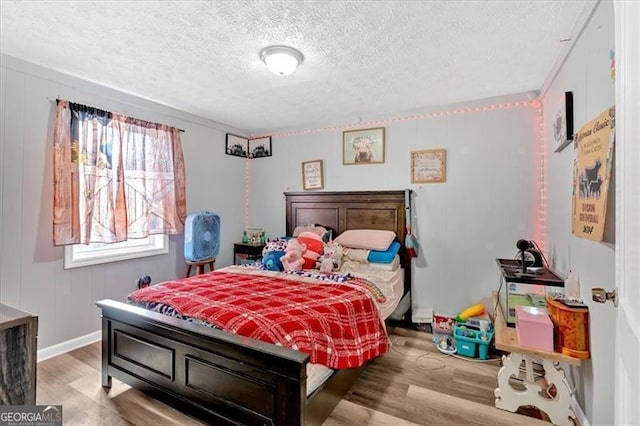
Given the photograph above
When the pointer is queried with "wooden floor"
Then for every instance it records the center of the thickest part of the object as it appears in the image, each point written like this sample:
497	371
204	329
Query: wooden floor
413	384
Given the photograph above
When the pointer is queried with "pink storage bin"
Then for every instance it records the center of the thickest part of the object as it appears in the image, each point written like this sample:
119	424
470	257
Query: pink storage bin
534	328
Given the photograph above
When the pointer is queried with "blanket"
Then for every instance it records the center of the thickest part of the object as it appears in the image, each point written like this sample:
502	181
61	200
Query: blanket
337	324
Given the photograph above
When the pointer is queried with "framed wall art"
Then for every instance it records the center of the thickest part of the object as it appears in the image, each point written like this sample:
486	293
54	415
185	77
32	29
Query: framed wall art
563	122
363	146
254	235
237	146
260	147
312	175
429	166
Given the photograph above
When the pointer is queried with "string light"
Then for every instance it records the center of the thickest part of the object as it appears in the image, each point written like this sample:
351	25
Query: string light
415	117
542	195
247	191
541	160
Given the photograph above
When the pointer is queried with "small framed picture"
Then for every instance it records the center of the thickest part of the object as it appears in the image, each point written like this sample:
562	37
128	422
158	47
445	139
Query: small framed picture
260	147
255	235
563	122
312	175
237	146
364	146
429	166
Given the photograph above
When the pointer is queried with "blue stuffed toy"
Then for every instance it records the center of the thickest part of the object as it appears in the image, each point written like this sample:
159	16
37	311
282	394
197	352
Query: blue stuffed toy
271	260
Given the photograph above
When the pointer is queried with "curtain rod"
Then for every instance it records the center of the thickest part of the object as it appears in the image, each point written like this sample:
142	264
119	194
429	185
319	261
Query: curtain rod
57	100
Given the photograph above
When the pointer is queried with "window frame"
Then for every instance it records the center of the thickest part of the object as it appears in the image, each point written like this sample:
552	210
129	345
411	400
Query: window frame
80	255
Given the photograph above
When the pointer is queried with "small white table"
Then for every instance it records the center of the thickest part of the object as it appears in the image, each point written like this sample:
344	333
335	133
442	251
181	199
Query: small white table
530	376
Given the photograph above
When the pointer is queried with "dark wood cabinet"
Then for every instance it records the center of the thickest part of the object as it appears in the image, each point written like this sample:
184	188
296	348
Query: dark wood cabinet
18	352
247	253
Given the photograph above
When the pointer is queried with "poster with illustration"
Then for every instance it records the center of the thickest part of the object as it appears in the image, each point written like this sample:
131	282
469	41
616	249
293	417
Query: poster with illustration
591	174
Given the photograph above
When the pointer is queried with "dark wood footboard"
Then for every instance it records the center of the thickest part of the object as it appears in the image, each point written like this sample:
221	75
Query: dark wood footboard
227	378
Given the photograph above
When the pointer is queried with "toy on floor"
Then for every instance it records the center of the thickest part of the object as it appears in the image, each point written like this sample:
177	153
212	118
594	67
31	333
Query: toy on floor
446	345
472	311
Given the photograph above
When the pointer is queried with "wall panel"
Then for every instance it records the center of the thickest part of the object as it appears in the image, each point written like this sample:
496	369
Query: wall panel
32	276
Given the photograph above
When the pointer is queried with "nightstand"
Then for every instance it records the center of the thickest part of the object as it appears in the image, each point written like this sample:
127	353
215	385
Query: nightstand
247	253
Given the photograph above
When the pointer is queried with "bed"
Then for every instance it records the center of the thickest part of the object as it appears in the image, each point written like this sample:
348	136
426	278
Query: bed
230	379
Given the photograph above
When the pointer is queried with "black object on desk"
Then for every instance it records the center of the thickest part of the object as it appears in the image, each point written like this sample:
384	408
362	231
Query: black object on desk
246	253
519	285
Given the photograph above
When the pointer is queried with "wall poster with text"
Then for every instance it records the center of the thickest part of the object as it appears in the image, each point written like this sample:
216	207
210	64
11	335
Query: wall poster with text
591	174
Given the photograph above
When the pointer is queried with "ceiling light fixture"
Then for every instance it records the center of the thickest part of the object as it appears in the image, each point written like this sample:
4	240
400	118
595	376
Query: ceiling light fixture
281	60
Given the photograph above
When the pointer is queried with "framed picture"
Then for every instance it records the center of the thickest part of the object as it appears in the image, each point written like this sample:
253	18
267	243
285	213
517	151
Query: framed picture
563	122
312	175
260	147
429	166
364	146
237	145
255	235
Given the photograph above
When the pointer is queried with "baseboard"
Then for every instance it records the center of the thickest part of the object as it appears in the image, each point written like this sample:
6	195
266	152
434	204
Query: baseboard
69	345
422	315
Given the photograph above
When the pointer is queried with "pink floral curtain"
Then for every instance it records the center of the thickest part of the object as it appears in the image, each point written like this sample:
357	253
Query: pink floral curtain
115	177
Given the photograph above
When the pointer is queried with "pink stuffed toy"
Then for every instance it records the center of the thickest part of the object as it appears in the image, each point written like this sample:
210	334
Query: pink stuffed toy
315	247
292	260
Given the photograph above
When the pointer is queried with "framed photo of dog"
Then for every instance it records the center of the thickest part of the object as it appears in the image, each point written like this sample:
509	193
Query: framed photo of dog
429	166
363	146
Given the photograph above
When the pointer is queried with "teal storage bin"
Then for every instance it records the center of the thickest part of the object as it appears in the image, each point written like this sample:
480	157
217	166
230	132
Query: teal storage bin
470	341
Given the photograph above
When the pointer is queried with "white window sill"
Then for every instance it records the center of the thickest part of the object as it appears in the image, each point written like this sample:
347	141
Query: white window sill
79	255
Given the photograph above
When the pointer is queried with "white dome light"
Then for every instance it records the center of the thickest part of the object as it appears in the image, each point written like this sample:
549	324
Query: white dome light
281	60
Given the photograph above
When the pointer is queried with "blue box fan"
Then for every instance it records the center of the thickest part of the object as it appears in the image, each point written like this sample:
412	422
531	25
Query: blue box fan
201	236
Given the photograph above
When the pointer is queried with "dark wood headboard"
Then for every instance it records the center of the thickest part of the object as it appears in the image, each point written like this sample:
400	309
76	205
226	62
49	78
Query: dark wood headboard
352	210
347	210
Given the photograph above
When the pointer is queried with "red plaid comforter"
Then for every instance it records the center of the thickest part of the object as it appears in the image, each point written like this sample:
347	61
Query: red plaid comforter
336	324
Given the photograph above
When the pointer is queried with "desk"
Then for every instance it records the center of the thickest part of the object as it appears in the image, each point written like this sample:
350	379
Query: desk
537	380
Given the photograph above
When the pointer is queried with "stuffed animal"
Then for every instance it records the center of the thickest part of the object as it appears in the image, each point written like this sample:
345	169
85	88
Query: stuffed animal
275	244
315	247
292	259
273	250
271	260
331	259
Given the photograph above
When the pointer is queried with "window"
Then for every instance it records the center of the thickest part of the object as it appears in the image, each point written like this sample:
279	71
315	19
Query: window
79	255
116	178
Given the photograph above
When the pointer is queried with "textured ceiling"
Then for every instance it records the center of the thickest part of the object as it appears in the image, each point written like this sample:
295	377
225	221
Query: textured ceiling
362	59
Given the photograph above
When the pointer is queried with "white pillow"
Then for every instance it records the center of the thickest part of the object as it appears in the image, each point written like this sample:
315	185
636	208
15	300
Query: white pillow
368	239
